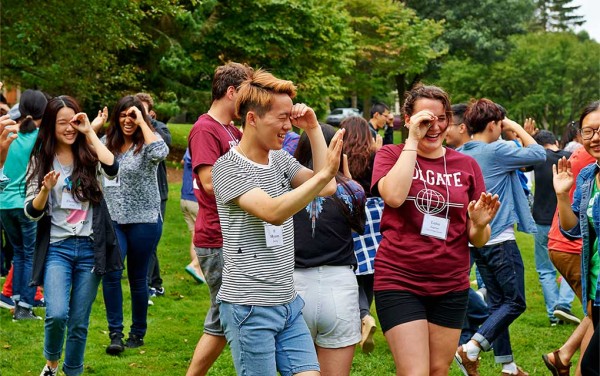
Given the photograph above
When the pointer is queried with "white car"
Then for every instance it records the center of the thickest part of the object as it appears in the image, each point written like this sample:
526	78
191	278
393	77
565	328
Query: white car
336	116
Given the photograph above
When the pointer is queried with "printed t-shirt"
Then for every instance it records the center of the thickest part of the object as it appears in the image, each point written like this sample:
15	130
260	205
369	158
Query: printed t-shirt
208	141
409	261
322	231
594	268
254	273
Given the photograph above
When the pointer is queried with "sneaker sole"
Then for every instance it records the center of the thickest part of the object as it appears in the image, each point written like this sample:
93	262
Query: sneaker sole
566	317
6	305
114	350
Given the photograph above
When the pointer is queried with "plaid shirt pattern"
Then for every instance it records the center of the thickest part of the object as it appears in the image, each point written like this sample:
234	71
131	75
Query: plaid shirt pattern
365	246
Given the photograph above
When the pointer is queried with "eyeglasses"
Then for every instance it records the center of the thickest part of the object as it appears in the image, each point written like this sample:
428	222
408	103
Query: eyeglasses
588	133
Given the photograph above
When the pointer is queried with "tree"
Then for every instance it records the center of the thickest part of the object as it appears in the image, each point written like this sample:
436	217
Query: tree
306	41
557	15
81	48
547	76
391	41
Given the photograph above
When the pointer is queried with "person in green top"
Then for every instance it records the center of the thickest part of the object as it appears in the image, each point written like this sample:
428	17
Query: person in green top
20	230
581	219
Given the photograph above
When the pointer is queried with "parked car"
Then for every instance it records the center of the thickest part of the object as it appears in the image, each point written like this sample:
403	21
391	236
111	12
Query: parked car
336	116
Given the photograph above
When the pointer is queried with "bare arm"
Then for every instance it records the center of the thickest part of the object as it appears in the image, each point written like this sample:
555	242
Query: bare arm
81	122
525	137
205	176
395	185
277	210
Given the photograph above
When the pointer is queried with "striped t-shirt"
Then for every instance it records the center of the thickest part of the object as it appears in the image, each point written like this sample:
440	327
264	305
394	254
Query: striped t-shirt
254	274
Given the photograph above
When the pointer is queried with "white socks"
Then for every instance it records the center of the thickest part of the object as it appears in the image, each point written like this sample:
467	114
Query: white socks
510	368
472	350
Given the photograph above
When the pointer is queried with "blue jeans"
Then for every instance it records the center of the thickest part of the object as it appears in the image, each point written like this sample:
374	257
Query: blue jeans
477	313
264	340
136	240
554	295
70	288
501	268
21	232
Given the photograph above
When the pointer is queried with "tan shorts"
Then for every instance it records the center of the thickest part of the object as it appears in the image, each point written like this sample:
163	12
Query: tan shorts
569	266
190	211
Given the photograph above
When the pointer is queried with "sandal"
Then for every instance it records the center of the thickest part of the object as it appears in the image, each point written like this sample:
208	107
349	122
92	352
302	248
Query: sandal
557	368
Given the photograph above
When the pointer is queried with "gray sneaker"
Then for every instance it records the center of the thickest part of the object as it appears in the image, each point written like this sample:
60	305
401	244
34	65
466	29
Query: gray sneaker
22	313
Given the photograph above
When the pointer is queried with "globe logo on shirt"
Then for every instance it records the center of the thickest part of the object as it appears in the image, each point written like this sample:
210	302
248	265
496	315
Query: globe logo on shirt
429	201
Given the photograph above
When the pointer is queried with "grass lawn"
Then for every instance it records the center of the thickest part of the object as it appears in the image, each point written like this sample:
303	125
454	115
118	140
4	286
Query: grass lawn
175	322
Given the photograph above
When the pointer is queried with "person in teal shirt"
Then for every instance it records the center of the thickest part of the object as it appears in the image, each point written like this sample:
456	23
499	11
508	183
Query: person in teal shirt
20	230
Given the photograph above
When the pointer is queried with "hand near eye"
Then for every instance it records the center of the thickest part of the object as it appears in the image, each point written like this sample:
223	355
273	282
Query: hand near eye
81	123
482	211
419	124
303	117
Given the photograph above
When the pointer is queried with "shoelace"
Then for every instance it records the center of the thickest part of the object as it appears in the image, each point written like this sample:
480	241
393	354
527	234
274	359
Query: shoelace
49	372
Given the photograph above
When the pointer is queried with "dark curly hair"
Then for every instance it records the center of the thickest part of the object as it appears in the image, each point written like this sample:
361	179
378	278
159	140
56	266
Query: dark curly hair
115	139
358	145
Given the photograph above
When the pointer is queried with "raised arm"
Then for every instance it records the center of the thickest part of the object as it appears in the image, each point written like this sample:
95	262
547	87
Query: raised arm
149	136
304	118
277	210
81	122
394	187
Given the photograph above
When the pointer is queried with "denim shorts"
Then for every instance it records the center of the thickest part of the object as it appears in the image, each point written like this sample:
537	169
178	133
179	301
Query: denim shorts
264	340
211	263
331	309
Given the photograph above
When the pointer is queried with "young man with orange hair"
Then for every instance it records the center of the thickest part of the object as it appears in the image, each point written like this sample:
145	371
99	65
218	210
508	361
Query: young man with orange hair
258	187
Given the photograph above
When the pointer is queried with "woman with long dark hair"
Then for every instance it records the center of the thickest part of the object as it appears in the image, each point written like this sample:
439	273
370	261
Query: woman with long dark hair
134	204
360	148
325	263
75	242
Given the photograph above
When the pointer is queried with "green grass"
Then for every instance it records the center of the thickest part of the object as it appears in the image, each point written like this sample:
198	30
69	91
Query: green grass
179	134
175	323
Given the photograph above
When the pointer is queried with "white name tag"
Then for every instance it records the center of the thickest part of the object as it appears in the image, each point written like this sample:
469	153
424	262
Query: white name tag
435	227
112	183
274	235
69	202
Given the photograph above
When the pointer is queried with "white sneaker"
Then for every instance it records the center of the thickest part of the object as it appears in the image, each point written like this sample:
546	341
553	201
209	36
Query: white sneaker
48	371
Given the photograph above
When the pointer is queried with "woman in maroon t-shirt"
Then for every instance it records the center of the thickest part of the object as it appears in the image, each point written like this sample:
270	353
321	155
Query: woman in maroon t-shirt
435	204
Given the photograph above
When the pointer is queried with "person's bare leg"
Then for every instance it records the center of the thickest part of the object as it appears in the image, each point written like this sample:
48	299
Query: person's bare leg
570	347
335	362
207	351
194	261
442	346
308	373
584	343
409	343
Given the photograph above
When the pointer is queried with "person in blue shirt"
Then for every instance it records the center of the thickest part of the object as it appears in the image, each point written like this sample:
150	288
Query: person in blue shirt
503	276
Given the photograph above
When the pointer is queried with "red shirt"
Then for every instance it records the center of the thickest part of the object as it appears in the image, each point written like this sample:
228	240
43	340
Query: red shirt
208	141
556	241
424	265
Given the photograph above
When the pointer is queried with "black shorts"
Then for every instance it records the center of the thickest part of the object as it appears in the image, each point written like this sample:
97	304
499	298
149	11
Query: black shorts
399	307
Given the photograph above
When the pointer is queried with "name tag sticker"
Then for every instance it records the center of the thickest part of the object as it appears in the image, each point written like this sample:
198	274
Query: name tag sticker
69	202
274	235
435	227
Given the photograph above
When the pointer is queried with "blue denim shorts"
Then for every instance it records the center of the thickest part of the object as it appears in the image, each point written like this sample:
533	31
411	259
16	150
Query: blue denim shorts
264	340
